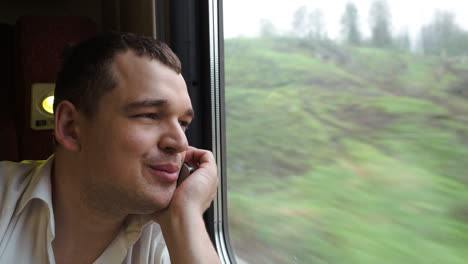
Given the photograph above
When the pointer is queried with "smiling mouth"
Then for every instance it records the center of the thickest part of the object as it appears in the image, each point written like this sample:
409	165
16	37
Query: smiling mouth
166	172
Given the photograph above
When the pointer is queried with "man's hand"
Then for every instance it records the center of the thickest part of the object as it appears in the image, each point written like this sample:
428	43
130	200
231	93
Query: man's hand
199	189
197	192
182	222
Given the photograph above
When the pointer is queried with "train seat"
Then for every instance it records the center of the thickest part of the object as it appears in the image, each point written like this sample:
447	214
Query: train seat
8	138
39	42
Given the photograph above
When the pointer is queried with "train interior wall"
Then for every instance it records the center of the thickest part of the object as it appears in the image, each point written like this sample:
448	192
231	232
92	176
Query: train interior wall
32	37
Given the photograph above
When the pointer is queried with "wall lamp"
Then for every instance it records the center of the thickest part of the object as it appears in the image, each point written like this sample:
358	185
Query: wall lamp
42	102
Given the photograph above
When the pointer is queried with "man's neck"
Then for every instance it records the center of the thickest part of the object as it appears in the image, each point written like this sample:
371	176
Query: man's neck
81	233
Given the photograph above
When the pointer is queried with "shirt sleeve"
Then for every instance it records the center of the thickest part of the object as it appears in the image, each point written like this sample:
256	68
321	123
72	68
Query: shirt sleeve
149	249
160	251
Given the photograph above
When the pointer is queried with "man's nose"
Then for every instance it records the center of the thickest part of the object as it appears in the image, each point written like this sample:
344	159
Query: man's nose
173	139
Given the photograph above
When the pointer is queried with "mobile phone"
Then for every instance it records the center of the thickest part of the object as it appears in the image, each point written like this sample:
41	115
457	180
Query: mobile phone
185	171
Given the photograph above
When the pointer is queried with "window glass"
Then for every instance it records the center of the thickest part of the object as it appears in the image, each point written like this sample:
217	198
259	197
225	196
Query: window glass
347	131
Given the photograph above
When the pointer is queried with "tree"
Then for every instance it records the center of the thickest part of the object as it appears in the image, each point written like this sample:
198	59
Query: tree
316	26
403	40
380	23
443	36
267	29
350	24
299	21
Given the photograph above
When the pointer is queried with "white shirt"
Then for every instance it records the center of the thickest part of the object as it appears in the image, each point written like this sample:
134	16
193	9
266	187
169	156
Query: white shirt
27	226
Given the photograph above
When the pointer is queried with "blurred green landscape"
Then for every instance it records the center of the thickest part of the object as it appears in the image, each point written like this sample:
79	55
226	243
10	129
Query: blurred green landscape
342	154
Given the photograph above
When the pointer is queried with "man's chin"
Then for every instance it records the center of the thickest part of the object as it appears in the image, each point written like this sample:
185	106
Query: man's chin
149	213
152	200
156	208
161	204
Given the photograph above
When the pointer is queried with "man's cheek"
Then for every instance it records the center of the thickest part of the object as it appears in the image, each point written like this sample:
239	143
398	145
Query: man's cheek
137	142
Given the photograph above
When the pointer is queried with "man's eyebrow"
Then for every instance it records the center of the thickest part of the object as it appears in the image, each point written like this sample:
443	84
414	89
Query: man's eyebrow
144	103
190	113
159	103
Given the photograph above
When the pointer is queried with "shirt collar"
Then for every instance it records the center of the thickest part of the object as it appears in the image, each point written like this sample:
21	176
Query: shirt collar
134	226
40	186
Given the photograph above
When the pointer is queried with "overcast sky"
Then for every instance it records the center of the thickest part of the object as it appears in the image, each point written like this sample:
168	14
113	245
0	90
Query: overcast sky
242	17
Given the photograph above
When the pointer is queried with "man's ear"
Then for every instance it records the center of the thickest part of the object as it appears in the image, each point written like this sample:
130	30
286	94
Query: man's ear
66	126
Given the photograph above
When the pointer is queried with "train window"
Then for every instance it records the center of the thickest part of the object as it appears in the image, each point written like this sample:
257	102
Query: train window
347	130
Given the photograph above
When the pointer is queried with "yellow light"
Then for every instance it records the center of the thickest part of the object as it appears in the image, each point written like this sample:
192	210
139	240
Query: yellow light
48	104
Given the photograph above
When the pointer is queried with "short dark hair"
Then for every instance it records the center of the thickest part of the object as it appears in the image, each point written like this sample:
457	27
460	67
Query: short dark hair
86	73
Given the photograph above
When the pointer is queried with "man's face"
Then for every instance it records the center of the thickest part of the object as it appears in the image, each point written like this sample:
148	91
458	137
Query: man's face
133	147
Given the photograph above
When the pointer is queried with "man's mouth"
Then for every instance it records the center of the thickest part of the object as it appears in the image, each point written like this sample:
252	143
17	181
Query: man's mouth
168	172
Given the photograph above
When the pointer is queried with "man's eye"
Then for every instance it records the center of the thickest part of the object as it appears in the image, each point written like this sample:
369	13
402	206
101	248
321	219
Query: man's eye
184	125
149	115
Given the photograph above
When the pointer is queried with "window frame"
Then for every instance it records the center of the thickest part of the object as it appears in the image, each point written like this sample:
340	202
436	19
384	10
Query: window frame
194	30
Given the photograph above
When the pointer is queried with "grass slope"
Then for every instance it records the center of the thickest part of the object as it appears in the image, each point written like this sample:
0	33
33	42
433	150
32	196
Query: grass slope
345	155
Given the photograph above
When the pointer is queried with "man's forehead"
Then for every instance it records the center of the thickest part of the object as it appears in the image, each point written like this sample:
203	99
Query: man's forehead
145	82
128	66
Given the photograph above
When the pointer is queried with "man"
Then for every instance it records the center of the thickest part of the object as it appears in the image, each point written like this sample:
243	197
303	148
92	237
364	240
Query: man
108	194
